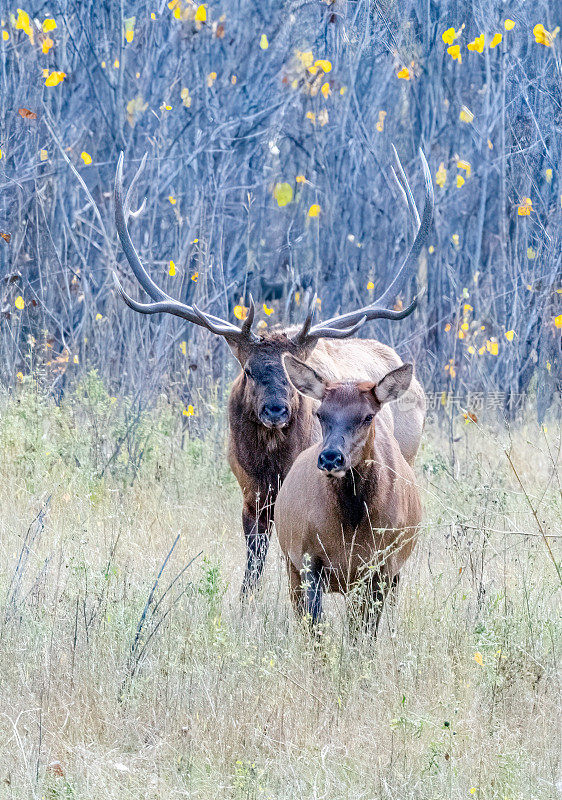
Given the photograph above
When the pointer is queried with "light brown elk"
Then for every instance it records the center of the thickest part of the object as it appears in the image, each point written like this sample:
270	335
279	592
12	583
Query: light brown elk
347	512
271	423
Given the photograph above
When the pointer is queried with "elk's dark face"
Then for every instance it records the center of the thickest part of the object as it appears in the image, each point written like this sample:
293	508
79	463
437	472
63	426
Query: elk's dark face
347	411
267	390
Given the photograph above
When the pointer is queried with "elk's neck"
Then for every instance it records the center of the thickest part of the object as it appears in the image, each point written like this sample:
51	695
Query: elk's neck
354	490
267	454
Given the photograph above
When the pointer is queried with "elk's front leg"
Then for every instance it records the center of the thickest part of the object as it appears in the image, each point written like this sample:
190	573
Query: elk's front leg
257	530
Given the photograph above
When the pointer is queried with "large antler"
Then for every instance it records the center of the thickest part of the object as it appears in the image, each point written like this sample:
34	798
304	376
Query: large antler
163	303
347	324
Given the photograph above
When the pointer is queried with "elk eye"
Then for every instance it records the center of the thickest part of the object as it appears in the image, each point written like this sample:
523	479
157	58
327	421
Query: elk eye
369	418
248	373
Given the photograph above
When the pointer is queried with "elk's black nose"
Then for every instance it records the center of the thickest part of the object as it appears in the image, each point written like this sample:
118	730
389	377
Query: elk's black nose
331	461
275	413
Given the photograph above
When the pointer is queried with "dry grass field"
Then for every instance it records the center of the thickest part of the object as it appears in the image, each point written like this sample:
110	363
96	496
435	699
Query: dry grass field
458	697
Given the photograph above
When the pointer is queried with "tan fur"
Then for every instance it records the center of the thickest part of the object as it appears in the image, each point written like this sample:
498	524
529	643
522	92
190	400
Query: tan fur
312	511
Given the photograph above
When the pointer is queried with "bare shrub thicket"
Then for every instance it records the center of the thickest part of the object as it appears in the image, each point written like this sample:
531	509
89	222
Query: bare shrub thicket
230	107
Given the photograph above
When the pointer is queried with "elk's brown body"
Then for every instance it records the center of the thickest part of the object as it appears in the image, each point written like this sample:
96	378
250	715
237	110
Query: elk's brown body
270	424
261	457
352	518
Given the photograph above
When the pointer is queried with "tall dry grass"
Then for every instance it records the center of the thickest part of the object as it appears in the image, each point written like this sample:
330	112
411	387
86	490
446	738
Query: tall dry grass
457	698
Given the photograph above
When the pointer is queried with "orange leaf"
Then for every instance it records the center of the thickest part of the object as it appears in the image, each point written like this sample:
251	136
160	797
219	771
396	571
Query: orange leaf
26	113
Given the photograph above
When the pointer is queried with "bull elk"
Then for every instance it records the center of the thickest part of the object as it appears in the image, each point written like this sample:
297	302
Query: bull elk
348	510
271	423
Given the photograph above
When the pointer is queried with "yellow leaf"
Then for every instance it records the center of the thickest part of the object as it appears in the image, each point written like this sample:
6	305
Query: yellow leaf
177	12
300	179
311	116
129	25
449	36
314	210
496	39
455	239
189	411
322	117
19	376
152	16
370	286
43	155
472	350
116	64
460	181
380	123
233	80
54	78
467	307
492	347
466	166
324	65
183	348
464	326
325	89
548	366
49	25
267	310
482	350
477	45
283	193
447	327
76	360
211	78
509	24
461	334
479	660
542	36
171	268
86	158
172	199
455	52
5	35
466	115
185	97
403	74
490	145
548	175
201	14
19	302
558	321
431	249
240	312
509	335
264	44
531	254
47	44
525	207
343	90
194	277
441	175
99	317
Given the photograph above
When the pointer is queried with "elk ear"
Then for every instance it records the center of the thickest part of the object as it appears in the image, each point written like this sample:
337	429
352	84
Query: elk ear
394	384
305	380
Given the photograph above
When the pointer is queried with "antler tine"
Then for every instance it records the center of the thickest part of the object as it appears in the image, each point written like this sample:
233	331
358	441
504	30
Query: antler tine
163	303
423	230
404	185
222	327
247	324
324	329
140	209
302	335
140	272
326	332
